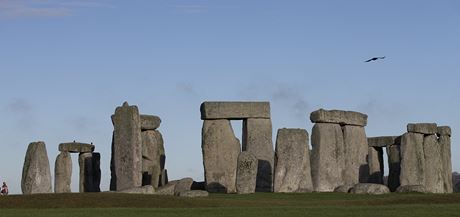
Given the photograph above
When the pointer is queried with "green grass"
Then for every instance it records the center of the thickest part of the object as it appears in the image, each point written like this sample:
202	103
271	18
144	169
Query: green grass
260	204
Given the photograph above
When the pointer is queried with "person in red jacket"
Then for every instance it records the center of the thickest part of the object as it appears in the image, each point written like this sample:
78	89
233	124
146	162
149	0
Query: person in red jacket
4	189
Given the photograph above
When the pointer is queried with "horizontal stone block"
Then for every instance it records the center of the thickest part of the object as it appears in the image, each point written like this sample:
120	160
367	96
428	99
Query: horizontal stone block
444	130
424	128
339	117
381	141
234	110
150	122
76	147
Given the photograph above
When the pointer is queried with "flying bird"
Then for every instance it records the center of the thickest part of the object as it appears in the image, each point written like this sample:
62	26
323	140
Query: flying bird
374	59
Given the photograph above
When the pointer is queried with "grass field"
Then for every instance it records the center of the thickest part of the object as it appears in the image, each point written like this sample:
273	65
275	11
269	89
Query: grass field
260	204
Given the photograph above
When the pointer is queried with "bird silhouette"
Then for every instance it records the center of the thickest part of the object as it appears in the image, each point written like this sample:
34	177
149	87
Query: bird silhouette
374	59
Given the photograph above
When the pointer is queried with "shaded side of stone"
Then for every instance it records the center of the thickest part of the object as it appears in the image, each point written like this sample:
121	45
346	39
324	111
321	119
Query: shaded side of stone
381	141
246	173
339	117
394	165
376	166
356	169
62	173
234	110
36	175
153	157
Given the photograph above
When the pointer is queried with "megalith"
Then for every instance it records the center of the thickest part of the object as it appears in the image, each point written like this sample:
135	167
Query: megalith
412	159
394	165
444	133
246	173
257	139
153	157
292	172
36	175
220	150
376	166
356	150
127	147
434	180
62	173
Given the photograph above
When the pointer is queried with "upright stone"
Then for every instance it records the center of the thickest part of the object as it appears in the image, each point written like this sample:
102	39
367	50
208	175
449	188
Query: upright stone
412	159
96	163
327	159
445	147
234	110
36	175
434	180
257	139
153	157
394	165
246	173
376	167
356	169
85	160
127	147
62	173
220	150
292	172
339	117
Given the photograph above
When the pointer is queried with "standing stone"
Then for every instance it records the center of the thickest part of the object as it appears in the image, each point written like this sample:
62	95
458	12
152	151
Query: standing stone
85	160
434	180
36	175
292	172
127	148
153	157
394	165
113	172
376	167
164	177
62	173
246	173
257	139
445	147
356	169
96	163
327	159
220	150
412	159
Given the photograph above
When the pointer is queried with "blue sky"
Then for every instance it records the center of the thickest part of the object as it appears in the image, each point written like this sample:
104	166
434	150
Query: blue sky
66	64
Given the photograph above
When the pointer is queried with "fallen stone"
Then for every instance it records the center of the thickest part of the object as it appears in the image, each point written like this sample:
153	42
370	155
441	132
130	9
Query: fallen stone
327	157
153	157
184	184
338	117
193	193
76	147
381	141
356	169
150	122
444	143
257	140
127	147
369	188
167	189
444	130
220	150
36	175
411	188
434	180
423	128
343	189
246	173
412	159
376	166
394	165
234	110
292	172
62	173
146	189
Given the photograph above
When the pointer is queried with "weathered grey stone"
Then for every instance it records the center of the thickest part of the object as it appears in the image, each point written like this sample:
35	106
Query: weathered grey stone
146	189
127	147
412	159
434	180
343	189
381	141
234	110
376	167
96	170
193	193
167	189
150	122
356	169
369	188
339	117
444	130
76	147
292	172
246	173
411	188
444	143
327	158
36	175
220	154
423	128
394	165
85	160
164	177
184	184
62	173
257	139
153	157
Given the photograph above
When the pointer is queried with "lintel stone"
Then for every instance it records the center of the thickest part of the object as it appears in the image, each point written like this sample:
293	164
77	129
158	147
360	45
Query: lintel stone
150	122
234	110
76	147
381	141
444	130
338	117
424	128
